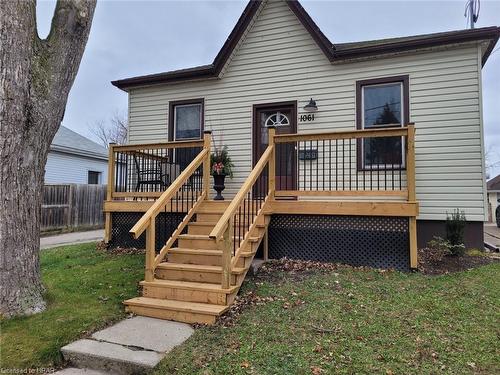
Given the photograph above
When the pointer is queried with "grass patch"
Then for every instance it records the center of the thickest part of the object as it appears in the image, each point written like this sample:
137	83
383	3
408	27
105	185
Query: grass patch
354	321
85	289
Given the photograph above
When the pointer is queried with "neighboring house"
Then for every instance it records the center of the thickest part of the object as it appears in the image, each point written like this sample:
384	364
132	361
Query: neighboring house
347	194
75	159
493	190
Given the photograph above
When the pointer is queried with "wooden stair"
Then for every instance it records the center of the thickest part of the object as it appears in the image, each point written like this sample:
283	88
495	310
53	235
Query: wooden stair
187	287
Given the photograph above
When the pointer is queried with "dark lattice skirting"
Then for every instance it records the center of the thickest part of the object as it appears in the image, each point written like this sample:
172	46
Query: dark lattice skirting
122	222
380	242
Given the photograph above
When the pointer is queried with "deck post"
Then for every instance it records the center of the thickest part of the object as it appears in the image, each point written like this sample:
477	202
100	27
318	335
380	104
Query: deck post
150	250
410	177
109	192
265	255
272	162
226	247
207	136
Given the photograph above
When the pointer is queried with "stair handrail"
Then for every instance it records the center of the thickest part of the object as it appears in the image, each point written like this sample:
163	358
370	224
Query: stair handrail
148	221
165	197
223	230
218	231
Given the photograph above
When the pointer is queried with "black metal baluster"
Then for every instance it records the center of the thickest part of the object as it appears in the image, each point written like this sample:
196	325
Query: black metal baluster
400	173
336	164
330	164
350	166
317	165
234	232
378	176
363	166
310	167
385	174
323	187
371	176
343	163
392	172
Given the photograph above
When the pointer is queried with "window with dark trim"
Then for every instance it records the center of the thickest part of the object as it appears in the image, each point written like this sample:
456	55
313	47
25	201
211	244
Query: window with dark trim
186	119
382	103
93	177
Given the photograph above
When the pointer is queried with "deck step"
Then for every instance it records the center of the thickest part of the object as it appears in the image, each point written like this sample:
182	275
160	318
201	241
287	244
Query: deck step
206	237
188	285
181	250
188	291
195	256
200	273
189	312
187	250
196	267
201	256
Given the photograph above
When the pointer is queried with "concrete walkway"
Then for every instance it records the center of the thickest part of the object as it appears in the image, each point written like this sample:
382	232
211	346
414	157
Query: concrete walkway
132	346
492	235
71	238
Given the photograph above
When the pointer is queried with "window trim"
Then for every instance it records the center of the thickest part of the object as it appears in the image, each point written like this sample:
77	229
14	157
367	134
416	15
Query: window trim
171	113
404	80
99	176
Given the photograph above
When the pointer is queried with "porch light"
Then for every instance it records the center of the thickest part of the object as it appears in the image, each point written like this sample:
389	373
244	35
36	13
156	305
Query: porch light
311	106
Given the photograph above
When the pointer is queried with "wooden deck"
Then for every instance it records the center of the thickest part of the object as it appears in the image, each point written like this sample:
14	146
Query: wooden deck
197	272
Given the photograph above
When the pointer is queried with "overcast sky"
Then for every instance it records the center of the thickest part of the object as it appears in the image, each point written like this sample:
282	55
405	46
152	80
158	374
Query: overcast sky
130	38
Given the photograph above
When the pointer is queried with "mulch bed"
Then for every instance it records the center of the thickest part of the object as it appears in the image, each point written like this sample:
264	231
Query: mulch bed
450	264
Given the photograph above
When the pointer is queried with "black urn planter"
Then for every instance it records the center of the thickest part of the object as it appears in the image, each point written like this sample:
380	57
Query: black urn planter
219	186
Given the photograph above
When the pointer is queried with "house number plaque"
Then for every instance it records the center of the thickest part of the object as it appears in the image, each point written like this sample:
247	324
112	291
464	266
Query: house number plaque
307	117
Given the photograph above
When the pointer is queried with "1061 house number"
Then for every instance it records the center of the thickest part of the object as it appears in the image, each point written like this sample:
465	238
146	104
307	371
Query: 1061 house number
308	117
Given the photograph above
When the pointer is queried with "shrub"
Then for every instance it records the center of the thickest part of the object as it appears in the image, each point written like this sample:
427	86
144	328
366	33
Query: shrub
455	227
433	253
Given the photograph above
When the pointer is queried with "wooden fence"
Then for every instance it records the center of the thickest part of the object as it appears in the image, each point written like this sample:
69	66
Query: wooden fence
69	206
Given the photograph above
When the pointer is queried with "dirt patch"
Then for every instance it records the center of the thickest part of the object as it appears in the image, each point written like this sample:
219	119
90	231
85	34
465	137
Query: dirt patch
102	246
450	264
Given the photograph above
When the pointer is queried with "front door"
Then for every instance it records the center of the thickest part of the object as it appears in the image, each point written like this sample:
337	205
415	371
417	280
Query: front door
284	117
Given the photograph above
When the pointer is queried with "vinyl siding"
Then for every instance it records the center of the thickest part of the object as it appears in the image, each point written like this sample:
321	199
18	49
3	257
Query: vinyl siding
68	168
277	60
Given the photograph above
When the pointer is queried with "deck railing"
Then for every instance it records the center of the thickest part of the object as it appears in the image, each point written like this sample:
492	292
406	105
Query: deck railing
374	162
186	192
144	171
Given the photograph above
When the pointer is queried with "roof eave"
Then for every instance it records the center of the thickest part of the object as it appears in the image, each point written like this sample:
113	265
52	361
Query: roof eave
490	33
77	152
169	77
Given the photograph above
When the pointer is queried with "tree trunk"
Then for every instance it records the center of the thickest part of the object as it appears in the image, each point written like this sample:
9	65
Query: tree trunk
35	79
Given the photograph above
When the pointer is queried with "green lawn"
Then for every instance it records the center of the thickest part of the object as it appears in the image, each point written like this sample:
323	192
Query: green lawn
355	322
85	289
342	321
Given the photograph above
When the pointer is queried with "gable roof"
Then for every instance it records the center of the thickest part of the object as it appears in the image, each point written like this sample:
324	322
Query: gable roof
494	183
334	52
70	142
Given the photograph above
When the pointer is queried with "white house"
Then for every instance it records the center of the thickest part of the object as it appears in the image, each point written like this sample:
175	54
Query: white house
75	159
493	190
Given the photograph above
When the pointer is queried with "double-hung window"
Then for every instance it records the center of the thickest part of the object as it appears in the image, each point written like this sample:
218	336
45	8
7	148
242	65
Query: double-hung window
185	123
382	103
186	120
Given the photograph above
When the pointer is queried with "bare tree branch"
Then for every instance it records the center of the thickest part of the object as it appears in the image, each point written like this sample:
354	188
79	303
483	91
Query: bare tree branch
114	131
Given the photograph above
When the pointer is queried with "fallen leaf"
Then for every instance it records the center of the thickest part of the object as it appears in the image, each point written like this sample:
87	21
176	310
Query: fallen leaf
315	370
